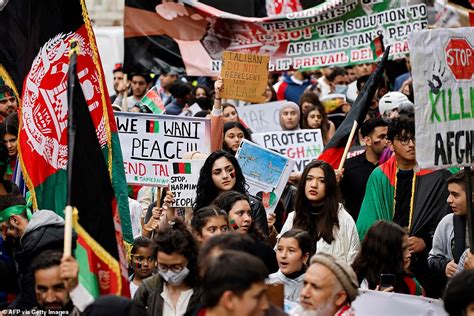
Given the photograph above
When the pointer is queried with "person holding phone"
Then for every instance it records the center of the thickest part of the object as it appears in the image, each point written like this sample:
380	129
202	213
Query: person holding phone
384	260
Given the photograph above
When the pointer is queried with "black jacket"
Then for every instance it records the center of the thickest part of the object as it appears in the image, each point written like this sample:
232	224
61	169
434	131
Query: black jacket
259	215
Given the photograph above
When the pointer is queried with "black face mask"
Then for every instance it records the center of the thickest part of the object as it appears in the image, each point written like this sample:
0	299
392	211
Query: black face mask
204	103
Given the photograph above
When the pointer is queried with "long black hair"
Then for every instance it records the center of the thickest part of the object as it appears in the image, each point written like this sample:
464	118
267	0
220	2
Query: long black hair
322	224
206	190
381	252
230	125
226	200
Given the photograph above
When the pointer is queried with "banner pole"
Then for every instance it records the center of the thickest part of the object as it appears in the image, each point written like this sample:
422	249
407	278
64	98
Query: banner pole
470	217
125	94
348	145
71	130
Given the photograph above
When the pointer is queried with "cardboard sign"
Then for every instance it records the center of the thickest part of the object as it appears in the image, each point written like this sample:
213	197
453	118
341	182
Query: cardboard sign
262	117
443	69
265	171
149	141
393	304
184	176
245	76
302	145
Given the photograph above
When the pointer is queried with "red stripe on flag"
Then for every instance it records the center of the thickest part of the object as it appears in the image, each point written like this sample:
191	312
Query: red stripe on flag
332	156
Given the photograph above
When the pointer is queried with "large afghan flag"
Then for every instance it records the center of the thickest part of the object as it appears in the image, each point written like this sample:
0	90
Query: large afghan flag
36	37
429	204
334	150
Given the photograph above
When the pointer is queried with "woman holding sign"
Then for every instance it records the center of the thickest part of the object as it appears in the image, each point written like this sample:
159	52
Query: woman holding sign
319	212
221	173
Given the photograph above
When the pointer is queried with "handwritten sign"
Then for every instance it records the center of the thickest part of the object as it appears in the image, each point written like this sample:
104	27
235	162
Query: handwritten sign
184	176
443	69
245	76
149	141
265	171
302	145
263	117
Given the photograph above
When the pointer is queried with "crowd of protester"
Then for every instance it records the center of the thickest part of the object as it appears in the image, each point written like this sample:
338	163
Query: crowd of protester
332	233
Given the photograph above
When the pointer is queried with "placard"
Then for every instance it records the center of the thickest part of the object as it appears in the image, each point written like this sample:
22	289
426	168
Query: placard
265	171
184	176
245	76
443	67
263	117
302	145
149	141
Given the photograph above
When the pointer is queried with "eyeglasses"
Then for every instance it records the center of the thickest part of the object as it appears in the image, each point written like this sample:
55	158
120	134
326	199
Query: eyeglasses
140	259
175	267
406	140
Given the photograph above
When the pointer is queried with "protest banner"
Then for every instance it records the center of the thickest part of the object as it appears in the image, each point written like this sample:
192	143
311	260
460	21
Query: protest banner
302	145
149	141
184	176
245	76
265	171
261	117
443	67
393	304
194	36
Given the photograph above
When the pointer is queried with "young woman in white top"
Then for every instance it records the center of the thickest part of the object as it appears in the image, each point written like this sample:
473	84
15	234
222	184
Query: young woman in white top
319	212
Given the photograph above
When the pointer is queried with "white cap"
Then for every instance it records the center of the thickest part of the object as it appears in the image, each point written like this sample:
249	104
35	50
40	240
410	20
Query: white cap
393	100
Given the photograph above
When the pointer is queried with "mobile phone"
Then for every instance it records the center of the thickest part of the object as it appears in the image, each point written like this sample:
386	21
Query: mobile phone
386	280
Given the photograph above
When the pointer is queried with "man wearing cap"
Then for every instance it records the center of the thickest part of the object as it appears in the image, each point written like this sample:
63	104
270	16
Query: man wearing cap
32	234
8	101
330	286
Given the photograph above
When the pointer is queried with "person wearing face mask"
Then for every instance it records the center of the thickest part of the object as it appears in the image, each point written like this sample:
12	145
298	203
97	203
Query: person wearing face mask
289	116
338	80
175	290
234	132
202	96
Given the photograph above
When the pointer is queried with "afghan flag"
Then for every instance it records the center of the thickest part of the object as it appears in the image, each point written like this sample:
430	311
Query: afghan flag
181	167
152	126
429	204
377	47
36	37
334	150
152	100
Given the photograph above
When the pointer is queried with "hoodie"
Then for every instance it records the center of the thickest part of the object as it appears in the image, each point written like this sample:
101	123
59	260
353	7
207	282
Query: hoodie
44	231
291	89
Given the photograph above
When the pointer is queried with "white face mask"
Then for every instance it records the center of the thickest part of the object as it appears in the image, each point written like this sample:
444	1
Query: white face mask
174	278
341	89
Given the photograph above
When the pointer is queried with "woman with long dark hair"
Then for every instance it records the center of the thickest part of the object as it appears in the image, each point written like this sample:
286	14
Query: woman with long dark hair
319	212
237	206
385	250
220	173
234	133
316	118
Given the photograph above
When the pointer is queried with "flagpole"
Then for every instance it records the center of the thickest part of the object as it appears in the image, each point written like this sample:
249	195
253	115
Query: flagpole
125	94
71	131
470	217
348	145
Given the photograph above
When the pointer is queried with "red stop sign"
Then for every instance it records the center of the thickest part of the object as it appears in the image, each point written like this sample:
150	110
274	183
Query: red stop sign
460	58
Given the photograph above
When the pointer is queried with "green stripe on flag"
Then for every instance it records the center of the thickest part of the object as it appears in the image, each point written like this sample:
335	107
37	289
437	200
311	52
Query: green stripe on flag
86	277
